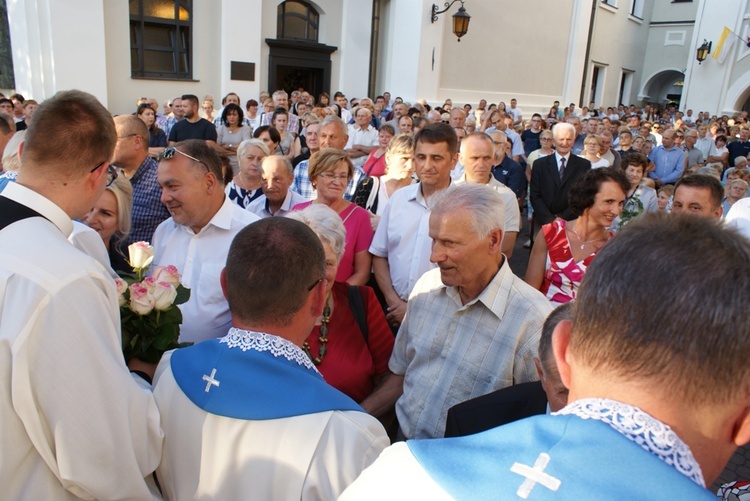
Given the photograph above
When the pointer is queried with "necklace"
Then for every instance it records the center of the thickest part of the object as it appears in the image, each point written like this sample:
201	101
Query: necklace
584	243
323	338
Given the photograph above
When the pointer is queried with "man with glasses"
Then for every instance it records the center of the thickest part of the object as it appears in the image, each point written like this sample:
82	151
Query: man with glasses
132	158
76	424
530	137
255	392
668	159
196	238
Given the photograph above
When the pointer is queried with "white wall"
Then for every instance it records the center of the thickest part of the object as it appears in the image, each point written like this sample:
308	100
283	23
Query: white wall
706	84
58	46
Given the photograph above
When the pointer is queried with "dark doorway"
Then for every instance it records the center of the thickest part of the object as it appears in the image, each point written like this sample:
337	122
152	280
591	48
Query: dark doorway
294	63
292	78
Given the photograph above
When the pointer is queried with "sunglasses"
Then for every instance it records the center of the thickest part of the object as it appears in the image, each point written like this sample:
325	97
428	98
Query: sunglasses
169	152
111	172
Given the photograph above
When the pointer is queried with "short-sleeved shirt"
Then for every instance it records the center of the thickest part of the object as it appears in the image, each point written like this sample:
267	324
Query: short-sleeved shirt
449	352
403	237
202	129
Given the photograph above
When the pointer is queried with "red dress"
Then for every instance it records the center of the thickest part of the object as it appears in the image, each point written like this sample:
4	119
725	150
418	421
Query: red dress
350	364
374	167
563	275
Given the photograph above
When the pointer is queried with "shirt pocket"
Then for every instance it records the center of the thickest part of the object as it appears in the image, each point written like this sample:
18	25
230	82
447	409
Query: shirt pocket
209	284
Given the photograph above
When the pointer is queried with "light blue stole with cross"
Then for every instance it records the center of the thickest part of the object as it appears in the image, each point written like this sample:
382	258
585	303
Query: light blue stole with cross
254	376
551	457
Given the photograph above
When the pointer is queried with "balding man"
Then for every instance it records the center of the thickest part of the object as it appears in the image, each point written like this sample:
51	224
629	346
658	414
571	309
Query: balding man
476	155
277	199
363	137
458	118
669	160
131	156
332	133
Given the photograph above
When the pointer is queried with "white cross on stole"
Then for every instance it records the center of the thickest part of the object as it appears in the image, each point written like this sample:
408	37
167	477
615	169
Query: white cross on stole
535	476
210	381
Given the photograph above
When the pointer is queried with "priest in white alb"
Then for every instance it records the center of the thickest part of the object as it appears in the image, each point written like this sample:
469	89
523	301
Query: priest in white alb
659	385
248	416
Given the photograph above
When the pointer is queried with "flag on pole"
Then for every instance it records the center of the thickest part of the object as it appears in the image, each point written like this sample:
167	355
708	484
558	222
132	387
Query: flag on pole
724	46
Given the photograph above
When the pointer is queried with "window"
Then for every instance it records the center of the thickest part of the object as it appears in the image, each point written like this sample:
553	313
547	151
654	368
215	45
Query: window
626	86
611	3
161	39
636	9
297	20
598	75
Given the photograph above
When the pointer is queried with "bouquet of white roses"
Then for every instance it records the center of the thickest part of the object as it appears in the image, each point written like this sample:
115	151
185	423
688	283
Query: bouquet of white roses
149	314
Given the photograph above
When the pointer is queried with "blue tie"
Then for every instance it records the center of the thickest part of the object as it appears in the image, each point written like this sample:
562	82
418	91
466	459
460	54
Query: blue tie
562	167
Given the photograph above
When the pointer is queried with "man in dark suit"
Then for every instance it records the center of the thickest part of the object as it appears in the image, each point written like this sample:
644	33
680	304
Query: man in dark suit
552	177
518	401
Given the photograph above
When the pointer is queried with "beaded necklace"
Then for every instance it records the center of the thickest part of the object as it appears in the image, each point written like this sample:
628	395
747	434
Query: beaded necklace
323	338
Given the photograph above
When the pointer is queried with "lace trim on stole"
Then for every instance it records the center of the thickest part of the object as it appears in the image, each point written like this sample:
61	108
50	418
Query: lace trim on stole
648	432
260	341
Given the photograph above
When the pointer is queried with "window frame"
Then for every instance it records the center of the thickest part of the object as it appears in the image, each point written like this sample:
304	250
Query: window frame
311	19
181	38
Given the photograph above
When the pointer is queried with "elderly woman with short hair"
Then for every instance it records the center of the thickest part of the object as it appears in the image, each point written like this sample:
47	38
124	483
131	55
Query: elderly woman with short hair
247	183
329	172
352	343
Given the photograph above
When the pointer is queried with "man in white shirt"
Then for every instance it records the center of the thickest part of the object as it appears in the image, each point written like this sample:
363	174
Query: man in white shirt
363	137
516	112
647	406
277	199
196	238
75	423
401	245
249	415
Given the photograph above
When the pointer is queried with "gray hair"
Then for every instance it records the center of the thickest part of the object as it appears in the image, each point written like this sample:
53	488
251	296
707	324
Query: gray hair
336	120
560	127
484	204
325	223
280	93
740	159
708	171
252	142
11	158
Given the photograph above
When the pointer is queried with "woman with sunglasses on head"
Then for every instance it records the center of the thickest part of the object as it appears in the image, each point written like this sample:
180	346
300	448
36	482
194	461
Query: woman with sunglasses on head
329	172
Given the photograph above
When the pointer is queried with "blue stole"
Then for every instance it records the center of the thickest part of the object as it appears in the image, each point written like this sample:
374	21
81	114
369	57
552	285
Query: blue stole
588	458
252	384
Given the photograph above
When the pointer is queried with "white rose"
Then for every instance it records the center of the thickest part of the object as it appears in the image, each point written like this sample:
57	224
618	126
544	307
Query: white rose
122	286
141	300
141	254
164	295
168	274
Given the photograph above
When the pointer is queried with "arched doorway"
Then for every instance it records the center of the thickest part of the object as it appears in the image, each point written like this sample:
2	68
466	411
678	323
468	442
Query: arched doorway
663	86
296	59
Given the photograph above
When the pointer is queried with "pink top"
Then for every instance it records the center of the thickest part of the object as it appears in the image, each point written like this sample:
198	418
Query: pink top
374	167
358	236
563	275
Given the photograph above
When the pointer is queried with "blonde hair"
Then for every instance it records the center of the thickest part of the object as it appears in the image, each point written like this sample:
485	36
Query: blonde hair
123	192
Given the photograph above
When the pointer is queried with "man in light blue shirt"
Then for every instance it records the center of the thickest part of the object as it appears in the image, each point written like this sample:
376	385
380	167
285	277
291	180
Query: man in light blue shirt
668	159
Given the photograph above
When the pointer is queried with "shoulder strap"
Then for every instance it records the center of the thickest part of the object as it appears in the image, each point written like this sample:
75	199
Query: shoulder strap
357	305
372	200
11	212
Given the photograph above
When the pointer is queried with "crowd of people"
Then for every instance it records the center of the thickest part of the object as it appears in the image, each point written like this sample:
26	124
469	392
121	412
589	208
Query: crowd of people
348	261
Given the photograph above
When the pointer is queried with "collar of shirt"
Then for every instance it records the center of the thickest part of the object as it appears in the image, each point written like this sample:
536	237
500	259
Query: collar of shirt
222	219
41	204
643	429
415	194
494	295
558	157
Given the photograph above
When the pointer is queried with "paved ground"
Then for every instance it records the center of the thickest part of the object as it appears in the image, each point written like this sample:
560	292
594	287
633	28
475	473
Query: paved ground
738	467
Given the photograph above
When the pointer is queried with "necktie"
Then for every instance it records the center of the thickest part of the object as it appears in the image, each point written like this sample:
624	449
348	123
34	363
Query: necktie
562	167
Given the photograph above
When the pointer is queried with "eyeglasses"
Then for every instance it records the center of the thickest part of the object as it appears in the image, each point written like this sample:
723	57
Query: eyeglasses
170	151
309	289
331	177
111	172
546	139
